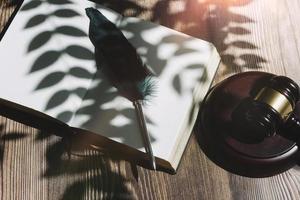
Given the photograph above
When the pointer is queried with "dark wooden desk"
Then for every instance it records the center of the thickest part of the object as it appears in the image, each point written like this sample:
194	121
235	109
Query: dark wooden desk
249	34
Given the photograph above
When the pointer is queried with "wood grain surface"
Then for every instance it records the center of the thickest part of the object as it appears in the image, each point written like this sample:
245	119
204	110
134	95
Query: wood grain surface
249	34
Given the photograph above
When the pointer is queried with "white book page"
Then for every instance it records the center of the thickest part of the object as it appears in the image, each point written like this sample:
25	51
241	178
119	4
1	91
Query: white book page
47	64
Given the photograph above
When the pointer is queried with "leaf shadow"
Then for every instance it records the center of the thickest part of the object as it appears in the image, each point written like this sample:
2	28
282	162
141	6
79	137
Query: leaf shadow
8	137
12	3
36	20
88	162
209	20
101	118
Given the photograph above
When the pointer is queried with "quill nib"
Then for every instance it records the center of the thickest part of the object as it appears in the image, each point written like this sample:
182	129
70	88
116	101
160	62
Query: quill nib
143	128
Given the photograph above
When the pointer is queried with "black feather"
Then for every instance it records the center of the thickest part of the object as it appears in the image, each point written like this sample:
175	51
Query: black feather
118	59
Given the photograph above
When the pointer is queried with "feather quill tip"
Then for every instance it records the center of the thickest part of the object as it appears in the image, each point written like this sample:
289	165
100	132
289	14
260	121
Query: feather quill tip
147	88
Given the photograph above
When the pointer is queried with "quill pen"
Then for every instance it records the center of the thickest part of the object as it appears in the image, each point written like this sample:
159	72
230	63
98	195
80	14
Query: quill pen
123	67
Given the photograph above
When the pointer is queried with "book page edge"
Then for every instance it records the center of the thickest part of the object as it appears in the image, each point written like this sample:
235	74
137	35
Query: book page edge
182	141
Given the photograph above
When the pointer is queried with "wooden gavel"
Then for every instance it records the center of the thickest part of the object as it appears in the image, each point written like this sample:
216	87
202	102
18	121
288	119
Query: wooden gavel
268	112
249	124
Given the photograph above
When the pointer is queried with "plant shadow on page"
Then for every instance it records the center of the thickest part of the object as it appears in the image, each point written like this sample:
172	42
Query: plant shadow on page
57	44
66	74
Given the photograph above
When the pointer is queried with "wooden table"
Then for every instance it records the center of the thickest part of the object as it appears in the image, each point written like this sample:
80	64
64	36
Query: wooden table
249	34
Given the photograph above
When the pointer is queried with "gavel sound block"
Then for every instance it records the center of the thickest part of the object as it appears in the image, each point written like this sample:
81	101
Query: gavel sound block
238	148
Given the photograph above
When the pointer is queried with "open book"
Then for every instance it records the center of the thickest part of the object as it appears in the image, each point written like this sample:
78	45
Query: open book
47	65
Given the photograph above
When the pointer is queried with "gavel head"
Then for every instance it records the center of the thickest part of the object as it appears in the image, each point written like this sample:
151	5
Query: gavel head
264	113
